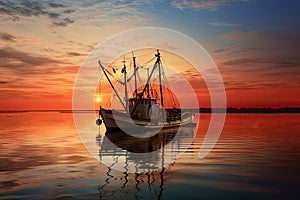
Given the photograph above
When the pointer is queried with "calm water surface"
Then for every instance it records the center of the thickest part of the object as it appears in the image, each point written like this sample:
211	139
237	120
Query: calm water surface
257	156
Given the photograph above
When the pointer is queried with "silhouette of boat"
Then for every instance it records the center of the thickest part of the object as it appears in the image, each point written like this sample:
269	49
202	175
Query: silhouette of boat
146	108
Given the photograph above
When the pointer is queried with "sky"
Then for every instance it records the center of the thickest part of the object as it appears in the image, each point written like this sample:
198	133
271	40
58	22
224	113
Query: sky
254	43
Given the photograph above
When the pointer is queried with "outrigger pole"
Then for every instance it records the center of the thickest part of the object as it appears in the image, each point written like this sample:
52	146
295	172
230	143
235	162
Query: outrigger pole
157	63
160	82
112	86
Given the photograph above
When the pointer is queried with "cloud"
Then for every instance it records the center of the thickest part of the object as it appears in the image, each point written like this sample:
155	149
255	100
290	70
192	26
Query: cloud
56	5
92	12
30	75
203	4
233	85
259	35
222	24
22	62
219	50
249	73
263	69
101	13
249	35
260	78
15	10
69	11
53	15
261	48
255	60
64	22
4	82
23	8
76	54
7	37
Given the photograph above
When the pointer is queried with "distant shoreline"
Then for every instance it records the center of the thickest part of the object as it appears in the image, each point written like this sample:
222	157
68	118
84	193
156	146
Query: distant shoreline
252	110
196	110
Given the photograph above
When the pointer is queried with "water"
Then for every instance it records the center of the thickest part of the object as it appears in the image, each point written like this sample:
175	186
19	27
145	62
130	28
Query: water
257	156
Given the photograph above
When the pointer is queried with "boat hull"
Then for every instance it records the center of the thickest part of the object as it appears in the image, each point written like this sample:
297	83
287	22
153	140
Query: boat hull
116	120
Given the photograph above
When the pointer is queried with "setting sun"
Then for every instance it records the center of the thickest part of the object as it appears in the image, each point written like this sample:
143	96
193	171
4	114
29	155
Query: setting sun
98	99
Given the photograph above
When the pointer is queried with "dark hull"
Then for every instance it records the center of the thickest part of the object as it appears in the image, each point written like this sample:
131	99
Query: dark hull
115	120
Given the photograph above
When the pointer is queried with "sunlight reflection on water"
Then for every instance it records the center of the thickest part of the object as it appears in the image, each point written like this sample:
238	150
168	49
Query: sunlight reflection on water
257	156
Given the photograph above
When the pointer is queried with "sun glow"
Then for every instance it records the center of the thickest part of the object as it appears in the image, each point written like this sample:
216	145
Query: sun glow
98	99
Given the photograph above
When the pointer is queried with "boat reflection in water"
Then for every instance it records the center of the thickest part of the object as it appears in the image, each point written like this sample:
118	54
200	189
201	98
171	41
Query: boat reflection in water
136	165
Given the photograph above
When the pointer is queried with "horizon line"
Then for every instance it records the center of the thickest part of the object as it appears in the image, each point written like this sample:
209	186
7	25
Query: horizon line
283	109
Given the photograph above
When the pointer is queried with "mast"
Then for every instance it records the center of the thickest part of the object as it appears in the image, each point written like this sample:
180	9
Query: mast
148	85
135	69
160	82
112	86
149	77
157	63
125	86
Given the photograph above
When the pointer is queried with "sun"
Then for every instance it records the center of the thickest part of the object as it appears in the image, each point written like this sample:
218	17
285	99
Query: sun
98	99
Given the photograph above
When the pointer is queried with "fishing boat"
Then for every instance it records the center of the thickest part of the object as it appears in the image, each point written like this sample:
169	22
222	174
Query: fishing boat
144	109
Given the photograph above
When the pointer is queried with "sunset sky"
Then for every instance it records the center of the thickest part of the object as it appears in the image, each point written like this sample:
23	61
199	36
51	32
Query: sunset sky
255	44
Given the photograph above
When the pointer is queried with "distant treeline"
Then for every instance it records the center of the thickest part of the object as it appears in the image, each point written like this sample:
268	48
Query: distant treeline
249	110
